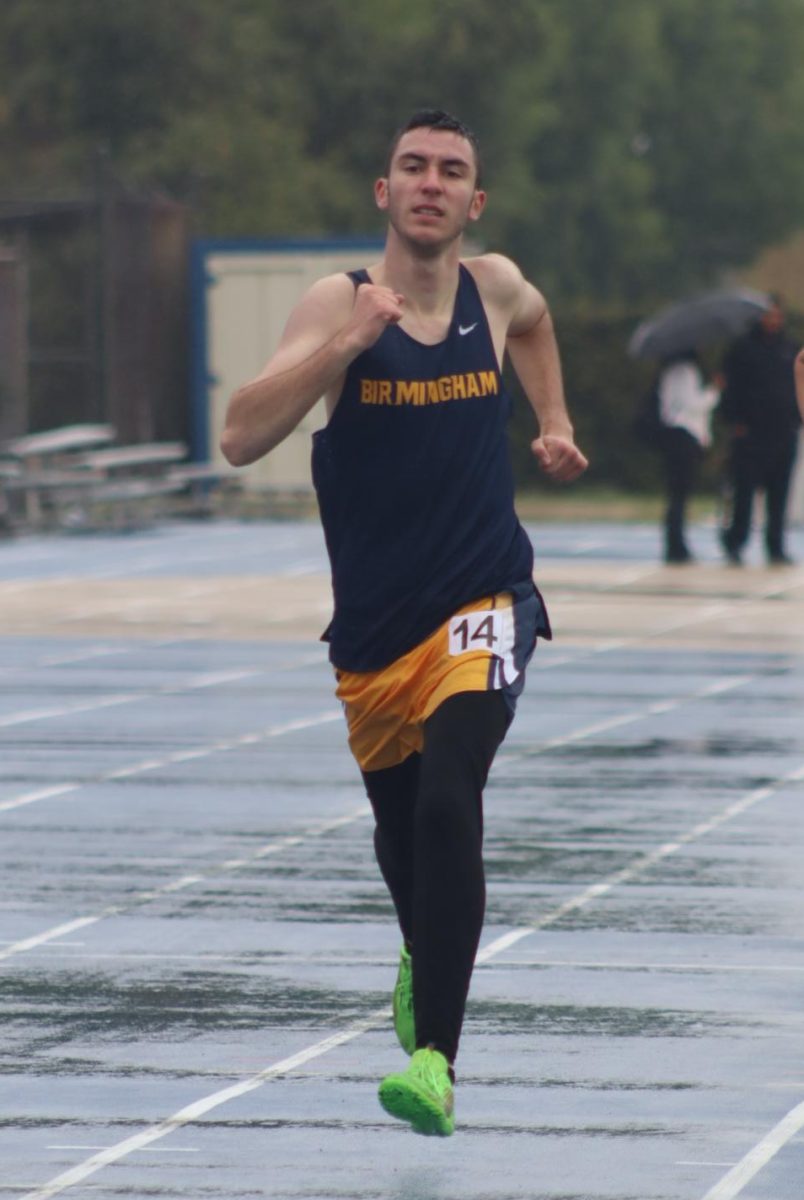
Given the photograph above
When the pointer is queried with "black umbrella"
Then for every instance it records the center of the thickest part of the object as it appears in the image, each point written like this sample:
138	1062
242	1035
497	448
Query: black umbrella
695	322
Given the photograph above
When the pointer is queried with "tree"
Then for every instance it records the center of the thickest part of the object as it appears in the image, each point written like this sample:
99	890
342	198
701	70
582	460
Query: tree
725	129
634	150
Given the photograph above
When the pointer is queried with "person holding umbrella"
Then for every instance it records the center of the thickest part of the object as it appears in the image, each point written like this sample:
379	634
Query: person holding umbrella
680	427
685	406
759	404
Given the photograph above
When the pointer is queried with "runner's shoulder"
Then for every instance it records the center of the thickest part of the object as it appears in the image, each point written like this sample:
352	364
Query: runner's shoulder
496	273
337	289
498	278
326	304
505	291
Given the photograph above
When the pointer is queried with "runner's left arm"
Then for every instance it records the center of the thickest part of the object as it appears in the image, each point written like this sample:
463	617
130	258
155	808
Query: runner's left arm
533	350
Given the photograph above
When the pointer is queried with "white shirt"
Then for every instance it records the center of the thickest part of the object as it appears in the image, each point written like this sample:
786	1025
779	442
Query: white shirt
686	402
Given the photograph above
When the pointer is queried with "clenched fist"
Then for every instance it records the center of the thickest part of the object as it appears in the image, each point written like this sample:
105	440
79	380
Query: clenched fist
375	308
559	458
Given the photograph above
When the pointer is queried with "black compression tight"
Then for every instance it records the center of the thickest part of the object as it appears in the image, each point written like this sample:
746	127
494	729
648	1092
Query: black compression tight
428	840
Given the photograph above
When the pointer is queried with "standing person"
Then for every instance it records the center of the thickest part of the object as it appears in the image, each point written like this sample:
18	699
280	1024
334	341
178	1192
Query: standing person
435	610
685	407
759	403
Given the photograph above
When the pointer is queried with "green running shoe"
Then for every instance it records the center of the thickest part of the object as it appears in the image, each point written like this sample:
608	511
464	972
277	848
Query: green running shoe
422	1095
404	1022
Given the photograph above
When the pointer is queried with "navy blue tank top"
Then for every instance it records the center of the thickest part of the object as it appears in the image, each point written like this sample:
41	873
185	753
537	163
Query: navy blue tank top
415	488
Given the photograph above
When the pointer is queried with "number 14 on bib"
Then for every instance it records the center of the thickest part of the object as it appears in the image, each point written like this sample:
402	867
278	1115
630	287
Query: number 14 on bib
476	631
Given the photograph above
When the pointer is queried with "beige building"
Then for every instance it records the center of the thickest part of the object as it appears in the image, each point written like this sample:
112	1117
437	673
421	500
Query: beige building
243	294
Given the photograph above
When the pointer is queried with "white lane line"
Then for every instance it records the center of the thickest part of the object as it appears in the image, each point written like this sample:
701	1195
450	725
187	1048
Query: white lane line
641	864
193	1112
177	756
653	709
63	660
156	1150
125	570
56	931
683	1162
86	654
775	1140
609	723
246	739
273	959
710	967
703	615
45	793
321	829
233	864
210	679
697	617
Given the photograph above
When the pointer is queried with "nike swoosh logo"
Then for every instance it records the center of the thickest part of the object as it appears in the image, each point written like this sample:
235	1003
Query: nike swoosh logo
464	329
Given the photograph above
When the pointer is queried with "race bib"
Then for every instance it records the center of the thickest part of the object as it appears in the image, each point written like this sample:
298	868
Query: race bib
482	630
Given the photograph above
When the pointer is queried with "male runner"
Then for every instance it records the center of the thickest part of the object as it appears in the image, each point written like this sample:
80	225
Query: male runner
435	611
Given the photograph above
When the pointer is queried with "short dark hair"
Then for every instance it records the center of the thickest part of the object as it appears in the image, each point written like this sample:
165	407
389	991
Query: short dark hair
436	118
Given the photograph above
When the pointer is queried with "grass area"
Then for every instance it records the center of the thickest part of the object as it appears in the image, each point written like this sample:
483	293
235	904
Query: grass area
579	503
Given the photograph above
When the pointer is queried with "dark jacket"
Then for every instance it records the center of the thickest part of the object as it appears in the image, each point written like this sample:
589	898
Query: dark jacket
760	391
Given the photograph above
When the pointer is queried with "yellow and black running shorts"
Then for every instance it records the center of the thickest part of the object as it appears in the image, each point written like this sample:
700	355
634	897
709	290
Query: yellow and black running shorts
485	646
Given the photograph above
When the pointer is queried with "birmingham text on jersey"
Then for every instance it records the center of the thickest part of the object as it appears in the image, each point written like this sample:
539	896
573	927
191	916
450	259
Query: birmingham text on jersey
429	391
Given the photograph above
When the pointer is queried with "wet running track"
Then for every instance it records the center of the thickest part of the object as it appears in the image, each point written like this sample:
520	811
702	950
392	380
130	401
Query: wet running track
196	951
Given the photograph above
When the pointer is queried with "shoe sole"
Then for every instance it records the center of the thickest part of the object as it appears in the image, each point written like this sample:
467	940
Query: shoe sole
406	1103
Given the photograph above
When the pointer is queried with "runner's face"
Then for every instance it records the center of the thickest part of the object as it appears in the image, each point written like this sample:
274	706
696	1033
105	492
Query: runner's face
430	192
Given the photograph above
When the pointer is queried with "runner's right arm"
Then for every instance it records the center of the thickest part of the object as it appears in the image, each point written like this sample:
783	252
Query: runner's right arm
326	331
